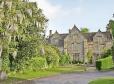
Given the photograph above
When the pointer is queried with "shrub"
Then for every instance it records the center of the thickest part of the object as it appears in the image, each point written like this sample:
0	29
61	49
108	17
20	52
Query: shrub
64	59
52	55
107	53
5	61
77	62
37	63
105	63
98	65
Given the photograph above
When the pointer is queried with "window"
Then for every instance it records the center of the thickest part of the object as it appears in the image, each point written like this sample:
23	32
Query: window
76	57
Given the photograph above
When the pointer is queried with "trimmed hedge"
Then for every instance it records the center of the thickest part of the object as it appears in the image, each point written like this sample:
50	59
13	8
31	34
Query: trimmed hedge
105	63
98	65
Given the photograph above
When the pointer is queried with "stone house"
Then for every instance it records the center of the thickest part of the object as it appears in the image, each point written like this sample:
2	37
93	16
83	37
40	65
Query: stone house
78	44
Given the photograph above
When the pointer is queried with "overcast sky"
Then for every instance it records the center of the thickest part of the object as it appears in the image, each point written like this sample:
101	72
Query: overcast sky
63	14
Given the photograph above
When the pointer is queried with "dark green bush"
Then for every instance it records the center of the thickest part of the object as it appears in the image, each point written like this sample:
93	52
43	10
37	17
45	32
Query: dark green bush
98	65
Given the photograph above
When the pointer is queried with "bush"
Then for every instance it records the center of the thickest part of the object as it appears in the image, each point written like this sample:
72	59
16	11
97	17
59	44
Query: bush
98	65
64	59
52	55
105	63
37	63
107	53
77	62
5	61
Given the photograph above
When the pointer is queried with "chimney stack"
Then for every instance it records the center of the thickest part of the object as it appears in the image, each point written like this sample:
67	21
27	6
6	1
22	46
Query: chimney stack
50	32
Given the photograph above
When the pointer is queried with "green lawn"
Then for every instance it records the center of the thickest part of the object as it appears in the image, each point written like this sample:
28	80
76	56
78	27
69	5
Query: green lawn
103	81
27	75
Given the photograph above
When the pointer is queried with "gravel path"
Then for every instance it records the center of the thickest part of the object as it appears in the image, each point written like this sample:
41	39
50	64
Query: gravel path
72	78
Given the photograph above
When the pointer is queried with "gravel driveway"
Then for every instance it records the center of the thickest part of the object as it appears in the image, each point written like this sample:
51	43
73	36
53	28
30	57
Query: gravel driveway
72	78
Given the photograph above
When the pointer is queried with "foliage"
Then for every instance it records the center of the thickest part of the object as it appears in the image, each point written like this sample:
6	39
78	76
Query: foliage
22	26
77	62
98	65
38	63
52	55
5	61
89	56
64	59
105	63
107	53
111	27
84	30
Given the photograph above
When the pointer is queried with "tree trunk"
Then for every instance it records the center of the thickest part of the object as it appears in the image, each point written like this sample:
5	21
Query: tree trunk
3	75
0	56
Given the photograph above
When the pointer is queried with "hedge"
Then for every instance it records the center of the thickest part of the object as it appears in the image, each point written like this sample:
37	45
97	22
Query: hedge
105	63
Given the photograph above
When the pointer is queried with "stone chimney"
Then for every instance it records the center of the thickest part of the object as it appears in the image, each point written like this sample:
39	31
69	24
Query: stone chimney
69	30
50	32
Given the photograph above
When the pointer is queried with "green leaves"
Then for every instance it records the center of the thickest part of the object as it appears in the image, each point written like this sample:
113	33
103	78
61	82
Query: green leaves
2	30
64	59
84	30
21	25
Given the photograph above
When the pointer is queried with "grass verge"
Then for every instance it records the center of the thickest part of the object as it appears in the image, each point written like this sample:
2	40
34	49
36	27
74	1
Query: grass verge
107	80
28	75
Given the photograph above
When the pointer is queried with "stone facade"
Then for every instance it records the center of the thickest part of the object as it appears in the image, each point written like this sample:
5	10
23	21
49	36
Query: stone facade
78	44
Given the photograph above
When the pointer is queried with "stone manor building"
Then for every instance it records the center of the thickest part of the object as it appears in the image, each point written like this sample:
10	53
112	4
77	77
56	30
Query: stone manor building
78	44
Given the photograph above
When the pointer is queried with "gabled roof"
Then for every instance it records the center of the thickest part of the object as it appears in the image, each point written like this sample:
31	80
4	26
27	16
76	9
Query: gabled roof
74	27
89	36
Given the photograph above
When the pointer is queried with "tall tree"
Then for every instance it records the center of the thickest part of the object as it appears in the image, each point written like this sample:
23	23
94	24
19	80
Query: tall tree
22	26
110	28
84	30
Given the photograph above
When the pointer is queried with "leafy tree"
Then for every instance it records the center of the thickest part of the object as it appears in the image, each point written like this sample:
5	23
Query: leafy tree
22	26
31	36
110	27
84	30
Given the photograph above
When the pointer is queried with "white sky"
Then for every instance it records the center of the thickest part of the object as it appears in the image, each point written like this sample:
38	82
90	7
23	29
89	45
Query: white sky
63	14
